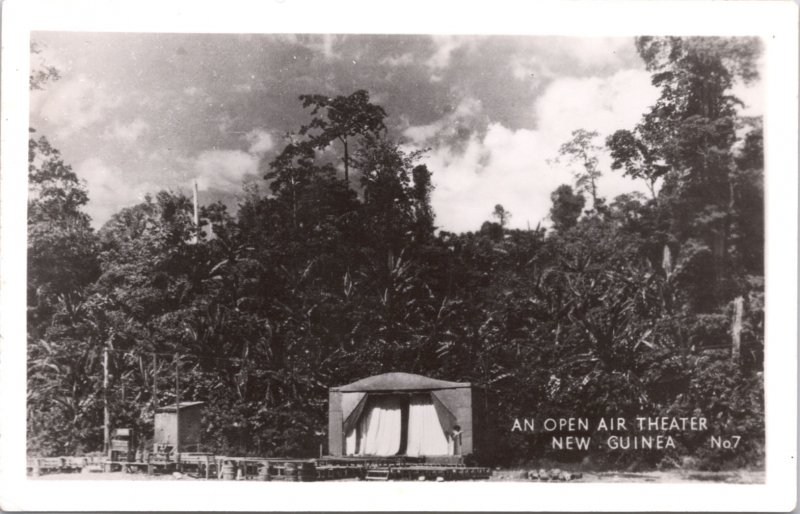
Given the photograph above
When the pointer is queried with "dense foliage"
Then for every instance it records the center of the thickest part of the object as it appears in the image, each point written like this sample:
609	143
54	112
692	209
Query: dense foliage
623	309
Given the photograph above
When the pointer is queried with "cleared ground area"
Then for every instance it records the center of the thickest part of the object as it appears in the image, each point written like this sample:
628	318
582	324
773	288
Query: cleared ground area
731	477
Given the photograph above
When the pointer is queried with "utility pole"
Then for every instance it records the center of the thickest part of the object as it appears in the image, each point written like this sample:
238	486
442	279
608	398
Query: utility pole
154	397
736	330
196	213
106	422
177	410
155	383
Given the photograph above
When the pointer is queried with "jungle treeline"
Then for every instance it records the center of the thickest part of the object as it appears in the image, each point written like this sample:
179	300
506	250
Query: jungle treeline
333	269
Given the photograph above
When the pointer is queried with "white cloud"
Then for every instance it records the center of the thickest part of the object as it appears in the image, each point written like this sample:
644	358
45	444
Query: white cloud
224	169
511	167
109	190
445	45
575	56
752	95
323	44
531	67
595	52
595	104
444	48
446	126
242	88
101	179
328	40
398	60
73	105
127	133
260	141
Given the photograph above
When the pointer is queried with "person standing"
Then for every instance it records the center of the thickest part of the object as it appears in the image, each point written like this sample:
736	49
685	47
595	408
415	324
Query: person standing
454	441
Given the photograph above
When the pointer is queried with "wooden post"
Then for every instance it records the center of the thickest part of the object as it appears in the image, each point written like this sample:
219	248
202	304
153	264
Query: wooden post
155	383
106	421
196	213
177	410
736	330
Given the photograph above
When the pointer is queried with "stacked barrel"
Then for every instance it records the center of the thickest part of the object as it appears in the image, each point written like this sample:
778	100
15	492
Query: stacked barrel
299	471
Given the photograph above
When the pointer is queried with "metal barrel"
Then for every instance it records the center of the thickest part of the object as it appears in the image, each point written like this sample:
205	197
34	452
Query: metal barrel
307	472
263	472
290	471
228	471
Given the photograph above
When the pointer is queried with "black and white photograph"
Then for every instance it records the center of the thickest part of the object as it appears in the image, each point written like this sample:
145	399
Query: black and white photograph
409	258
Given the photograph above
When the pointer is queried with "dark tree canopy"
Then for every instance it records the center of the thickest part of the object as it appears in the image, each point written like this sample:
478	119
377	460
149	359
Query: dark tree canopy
631	155
567	208
43	74
342	118
502	215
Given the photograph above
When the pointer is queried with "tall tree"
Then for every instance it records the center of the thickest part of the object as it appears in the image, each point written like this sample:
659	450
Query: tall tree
389	195
502	215
630	153
292	172
688	138
62	266
342	118
567	207
421	198
580	153
62	247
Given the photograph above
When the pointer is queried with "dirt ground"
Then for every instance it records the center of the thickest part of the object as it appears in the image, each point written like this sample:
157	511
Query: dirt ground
679	476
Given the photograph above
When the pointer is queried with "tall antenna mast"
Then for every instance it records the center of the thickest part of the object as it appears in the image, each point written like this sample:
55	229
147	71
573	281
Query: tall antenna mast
196	213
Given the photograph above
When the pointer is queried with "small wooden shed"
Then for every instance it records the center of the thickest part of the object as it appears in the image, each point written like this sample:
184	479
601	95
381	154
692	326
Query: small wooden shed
166	432
404	414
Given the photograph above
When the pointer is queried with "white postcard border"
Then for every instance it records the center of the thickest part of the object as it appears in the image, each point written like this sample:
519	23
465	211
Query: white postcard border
775	22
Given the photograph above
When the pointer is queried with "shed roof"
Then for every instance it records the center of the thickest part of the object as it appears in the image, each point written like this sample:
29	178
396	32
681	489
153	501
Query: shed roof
182	406
399	382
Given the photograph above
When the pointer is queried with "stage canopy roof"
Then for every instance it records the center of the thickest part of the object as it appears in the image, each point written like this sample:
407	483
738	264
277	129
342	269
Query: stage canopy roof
398	382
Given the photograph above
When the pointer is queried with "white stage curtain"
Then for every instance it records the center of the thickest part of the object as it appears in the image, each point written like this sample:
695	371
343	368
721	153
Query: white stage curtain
380	429
351	442
425	433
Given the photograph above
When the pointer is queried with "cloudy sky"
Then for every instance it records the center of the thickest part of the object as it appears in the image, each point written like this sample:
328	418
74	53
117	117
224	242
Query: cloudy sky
137	113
